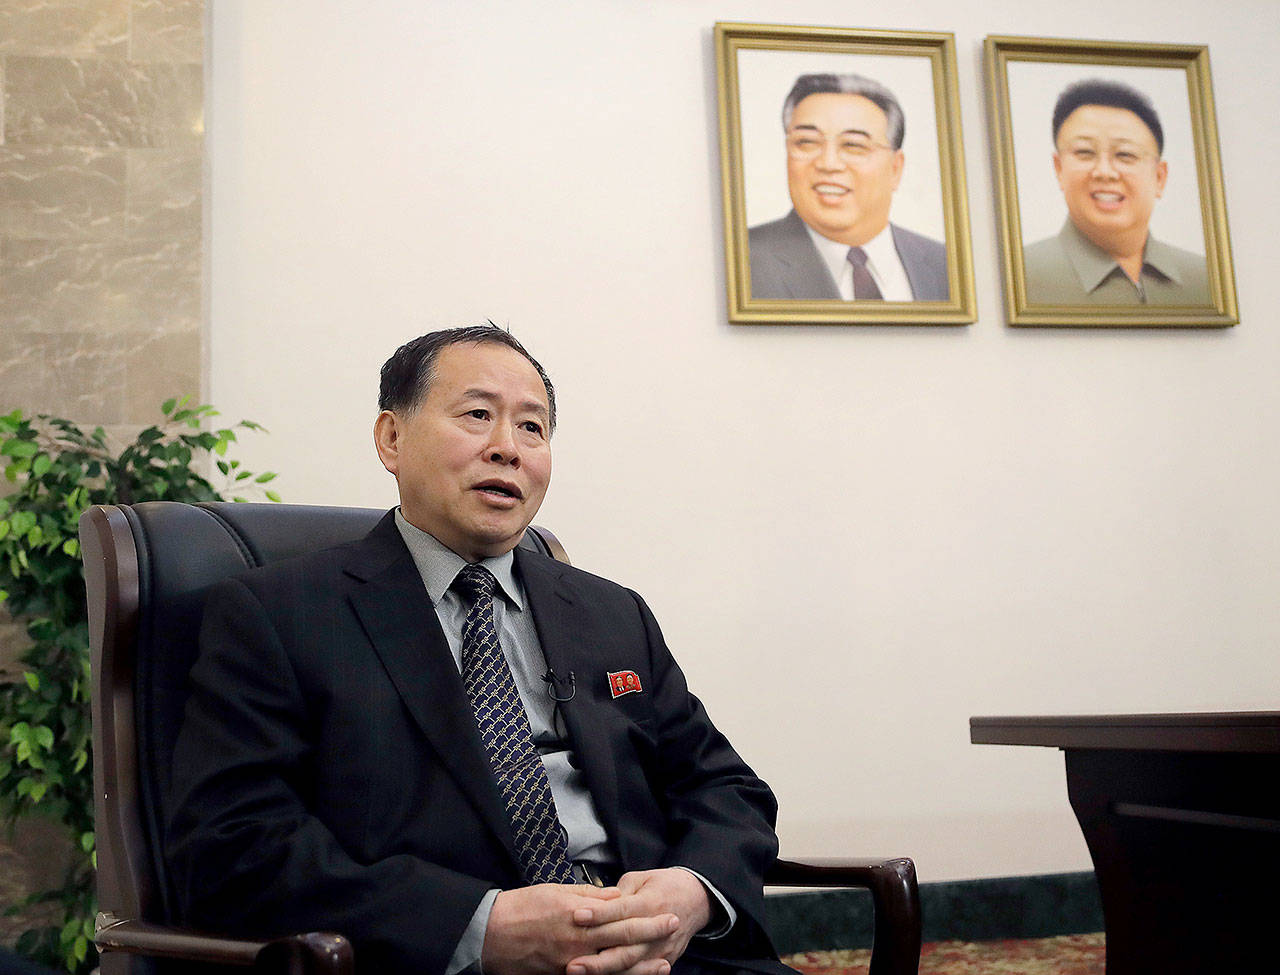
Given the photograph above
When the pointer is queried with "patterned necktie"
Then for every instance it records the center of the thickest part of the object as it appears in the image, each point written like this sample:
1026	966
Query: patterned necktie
864	285
504	729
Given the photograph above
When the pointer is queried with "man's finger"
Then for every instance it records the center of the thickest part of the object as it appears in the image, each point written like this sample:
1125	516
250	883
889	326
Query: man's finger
622	960
632	931
614	908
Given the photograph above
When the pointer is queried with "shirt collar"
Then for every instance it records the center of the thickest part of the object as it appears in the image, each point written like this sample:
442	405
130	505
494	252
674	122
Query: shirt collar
880	250
1094	265
439	565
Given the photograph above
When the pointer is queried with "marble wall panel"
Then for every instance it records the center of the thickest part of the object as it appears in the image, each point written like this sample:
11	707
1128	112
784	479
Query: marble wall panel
157	368
57	193
101	155
167	30
165	193
96	102
105	287
66	27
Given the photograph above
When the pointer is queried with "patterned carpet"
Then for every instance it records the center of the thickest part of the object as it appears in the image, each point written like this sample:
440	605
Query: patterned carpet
1071	954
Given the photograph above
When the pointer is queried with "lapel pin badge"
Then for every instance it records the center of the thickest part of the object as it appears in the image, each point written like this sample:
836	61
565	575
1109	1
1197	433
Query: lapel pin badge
624	682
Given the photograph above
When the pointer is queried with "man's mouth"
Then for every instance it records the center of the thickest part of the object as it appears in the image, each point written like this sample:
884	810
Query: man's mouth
831	190
500	489
1107	198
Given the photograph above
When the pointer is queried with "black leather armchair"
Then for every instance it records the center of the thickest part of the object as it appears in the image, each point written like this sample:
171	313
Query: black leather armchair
147	569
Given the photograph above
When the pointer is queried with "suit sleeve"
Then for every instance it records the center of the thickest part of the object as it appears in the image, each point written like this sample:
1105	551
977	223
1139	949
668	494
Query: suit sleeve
246	855
720	815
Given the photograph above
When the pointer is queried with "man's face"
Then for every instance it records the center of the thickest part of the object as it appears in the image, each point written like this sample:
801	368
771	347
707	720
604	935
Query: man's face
473	463
1111	174
841	170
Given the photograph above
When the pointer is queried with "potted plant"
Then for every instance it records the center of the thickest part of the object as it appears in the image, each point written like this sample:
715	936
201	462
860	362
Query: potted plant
46	767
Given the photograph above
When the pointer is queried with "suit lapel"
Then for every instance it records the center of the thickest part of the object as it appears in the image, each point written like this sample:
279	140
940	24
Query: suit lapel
563	630
397	615
807	271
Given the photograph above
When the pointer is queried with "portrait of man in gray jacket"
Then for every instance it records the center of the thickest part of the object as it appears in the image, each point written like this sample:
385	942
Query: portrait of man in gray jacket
843	137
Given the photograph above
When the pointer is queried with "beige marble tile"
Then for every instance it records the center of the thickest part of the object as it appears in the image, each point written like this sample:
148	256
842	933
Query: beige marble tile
107	103
88	371
58	193
65	27
165	188
23	380
79	286
158	367
167	30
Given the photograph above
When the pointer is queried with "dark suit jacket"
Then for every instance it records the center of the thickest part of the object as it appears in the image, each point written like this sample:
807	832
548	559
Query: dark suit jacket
329	775
786	264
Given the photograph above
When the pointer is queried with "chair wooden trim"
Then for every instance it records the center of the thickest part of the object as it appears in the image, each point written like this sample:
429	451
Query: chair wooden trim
130	922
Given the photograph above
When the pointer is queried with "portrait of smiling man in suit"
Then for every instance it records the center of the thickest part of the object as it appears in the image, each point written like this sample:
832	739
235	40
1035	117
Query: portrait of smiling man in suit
843	137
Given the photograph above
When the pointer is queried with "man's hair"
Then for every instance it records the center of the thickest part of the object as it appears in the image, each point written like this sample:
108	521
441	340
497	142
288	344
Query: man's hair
848	84
1109	94
407	375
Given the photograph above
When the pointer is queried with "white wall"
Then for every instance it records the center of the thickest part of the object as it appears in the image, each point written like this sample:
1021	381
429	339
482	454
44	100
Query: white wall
855	538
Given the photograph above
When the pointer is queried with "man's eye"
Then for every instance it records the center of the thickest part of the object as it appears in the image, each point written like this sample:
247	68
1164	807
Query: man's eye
856	148
533	427
1084	154
478	413
1129	158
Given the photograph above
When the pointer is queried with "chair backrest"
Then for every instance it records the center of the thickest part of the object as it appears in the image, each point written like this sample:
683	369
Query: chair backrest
148	568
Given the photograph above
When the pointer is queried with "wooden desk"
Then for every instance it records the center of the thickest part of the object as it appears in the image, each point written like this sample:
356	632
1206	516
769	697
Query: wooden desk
1181	813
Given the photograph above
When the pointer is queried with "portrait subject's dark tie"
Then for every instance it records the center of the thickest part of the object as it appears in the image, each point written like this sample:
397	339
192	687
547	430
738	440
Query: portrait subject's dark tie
864	285
508	738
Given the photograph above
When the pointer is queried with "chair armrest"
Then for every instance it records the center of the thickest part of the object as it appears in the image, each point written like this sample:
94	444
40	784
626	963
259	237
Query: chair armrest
894	893
299	954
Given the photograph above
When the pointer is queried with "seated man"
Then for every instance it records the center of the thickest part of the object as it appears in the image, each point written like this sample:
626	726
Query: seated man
439	745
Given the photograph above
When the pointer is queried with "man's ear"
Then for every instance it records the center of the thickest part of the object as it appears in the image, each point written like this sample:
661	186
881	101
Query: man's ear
386	439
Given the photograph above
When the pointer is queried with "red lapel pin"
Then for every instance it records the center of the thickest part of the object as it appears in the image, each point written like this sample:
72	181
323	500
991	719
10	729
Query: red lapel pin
624	682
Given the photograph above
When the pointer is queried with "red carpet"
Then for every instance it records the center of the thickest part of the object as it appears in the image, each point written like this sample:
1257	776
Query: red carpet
1071	954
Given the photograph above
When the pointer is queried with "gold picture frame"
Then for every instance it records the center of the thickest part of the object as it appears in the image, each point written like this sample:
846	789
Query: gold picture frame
1069	217
928	263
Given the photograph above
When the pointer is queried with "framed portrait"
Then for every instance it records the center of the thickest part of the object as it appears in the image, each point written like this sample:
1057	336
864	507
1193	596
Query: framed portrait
842	171
1109	184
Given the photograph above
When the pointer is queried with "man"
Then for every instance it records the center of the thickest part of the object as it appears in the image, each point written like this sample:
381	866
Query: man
1108	157
844	162
436	745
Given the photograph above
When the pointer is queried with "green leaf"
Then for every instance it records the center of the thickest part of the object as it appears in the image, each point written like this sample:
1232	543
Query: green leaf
272	496
87	841
19	448
40	466
44	737
71	547
33	680
167	406
265	477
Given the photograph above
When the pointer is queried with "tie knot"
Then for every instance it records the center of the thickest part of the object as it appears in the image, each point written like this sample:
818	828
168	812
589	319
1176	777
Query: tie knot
475	583
857	257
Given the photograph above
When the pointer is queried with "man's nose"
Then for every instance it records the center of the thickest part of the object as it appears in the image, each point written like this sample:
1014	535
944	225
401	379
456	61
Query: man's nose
501	448
1105	166
829	157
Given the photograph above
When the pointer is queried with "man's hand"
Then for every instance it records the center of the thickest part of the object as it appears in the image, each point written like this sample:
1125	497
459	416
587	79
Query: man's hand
645	896
538	930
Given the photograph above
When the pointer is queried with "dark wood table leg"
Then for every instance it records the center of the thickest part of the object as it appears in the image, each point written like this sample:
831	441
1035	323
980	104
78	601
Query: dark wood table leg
1187	852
